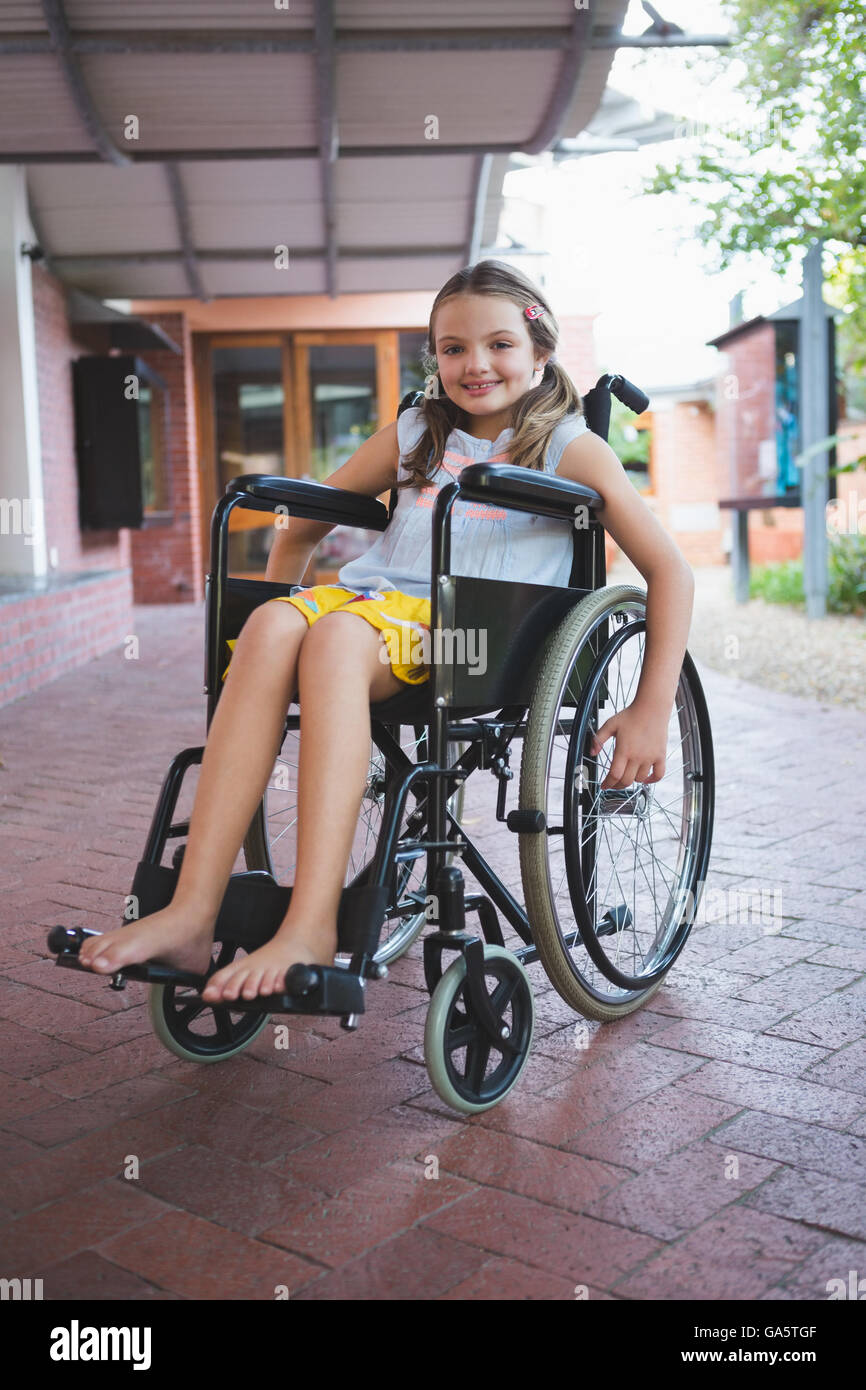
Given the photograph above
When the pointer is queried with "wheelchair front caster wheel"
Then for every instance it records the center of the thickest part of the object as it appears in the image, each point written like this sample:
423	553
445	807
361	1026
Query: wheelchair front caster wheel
198	1031
472	1067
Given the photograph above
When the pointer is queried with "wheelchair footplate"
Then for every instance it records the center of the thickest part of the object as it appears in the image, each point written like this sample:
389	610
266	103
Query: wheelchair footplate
253	908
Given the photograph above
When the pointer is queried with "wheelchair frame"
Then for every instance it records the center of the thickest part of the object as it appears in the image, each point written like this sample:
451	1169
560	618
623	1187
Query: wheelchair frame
454	707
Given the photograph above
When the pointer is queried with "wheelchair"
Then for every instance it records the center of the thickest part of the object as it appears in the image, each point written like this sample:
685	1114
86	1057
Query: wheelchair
611	877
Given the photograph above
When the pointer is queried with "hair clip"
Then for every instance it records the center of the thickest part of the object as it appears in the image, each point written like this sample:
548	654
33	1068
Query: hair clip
534	311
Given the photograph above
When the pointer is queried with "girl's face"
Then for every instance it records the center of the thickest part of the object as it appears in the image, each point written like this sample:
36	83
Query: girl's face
483	341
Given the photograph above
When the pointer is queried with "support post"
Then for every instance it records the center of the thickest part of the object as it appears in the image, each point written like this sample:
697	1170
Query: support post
814	426
740	555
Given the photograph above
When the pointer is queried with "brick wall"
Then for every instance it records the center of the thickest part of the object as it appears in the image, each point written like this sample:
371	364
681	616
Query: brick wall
42	636
850	512
576	350
684	474
746	409
746	406
56	349
45	634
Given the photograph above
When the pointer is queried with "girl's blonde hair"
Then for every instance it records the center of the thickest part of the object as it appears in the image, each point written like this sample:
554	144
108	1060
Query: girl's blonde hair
535	415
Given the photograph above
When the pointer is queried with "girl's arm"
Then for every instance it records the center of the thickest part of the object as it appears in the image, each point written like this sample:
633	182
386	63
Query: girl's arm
641	736
371	470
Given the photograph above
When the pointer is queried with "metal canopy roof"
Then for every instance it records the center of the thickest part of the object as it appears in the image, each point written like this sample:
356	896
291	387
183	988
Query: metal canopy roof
124	330
789	313
172	145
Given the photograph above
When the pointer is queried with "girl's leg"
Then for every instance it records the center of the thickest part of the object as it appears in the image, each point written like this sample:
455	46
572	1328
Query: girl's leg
340	673
242	746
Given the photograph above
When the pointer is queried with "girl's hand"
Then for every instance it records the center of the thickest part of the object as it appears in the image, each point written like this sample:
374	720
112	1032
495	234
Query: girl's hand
641	744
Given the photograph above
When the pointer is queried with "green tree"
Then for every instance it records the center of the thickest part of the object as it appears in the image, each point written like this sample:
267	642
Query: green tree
795	170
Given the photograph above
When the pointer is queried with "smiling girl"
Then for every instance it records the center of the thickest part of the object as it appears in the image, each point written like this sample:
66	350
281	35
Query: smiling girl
499	396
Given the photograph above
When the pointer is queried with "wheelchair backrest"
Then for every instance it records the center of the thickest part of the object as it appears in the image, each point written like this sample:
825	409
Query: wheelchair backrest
587	569
518	616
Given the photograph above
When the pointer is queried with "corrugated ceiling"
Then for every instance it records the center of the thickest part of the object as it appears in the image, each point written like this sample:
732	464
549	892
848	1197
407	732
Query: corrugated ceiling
307	127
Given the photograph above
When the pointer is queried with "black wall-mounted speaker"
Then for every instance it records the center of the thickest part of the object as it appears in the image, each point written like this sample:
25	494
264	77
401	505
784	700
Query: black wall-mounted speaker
107	438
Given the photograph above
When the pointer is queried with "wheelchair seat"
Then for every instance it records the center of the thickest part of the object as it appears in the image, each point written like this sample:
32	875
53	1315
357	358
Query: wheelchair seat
414	705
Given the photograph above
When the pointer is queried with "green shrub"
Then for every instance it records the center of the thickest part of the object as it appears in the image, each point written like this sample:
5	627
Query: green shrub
846	558
780	583
847	563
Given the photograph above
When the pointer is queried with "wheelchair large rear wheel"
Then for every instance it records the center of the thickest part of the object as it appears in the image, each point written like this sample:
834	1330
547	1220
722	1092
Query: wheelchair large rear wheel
271	842
613	882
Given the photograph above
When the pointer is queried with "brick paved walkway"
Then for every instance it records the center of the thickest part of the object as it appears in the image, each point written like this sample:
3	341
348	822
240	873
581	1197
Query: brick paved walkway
710	1146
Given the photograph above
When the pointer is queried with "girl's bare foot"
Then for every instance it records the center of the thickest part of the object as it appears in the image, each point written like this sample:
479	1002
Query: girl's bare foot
264	972
174	936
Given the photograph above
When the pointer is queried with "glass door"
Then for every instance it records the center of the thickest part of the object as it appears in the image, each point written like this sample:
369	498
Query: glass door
342	402
341	380
294	405
248	411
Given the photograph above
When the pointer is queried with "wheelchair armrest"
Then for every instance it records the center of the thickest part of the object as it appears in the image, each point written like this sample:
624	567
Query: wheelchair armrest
525	489
318	501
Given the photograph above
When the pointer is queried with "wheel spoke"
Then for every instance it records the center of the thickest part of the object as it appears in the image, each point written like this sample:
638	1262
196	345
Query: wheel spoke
223	1022
503	995
630	852
278	853
477	1056
459	1037
189	1012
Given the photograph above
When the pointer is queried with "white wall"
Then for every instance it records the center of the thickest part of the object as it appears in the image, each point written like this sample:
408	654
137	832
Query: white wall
22	527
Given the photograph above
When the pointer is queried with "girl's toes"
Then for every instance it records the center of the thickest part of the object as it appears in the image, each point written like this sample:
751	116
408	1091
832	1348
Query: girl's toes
232	987
214	988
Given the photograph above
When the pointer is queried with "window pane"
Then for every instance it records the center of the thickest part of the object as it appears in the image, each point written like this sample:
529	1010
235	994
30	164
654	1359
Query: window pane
343	408
145	449
412	372
342	403
151	405
248	409
248	398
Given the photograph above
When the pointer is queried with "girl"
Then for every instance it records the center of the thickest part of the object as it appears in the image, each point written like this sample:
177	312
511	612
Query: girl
499	395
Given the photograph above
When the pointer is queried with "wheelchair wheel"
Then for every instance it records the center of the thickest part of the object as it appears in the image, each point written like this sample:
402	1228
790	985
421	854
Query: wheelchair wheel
201	1032
271	842
613	882
458	1050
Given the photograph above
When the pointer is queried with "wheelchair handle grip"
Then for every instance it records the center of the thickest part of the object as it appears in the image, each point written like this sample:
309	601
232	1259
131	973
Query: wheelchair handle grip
630	395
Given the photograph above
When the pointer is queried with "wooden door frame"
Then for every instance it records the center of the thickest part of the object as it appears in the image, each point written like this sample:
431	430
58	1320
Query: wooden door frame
386	345
297	417
208	471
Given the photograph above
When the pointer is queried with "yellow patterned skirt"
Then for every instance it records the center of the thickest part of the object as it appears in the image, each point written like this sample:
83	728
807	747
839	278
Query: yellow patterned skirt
404	620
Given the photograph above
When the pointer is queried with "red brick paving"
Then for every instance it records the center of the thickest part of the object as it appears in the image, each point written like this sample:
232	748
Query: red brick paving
710	1146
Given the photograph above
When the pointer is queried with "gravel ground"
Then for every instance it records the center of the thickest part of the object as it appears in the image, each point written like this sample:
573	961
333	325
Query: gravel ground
771	644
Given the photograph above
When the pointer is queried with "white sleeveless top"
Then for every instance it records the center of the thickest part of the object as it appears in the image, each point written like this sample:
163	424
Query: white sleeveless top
489	542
